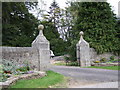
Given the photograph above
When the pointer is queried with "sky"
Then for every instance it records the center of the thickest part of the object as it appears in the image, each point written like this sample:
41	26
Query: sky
46	4
114	4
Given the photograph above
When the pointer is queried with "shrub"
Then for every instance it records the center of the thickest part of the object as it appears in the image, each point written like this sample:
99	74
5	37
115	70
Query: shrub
1	68
112	58
3	77
73	64
103	60
8	66
11	67
66	58
23	69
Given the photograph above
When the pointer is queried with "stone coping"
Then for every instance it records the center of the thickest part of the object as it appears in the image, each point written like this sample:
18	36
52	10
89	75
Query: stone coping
13	79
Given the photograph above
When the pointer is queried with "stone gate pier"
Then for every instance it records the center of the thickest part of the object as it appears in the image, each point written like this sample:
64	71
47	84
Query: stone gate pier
83	52
42	46
37	56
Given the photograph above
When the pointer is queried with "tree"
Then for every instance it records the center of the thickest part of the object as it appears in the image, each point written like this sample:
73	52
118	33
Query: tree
19	26
57	45
118	35
53	15
52	23
97	21
66	24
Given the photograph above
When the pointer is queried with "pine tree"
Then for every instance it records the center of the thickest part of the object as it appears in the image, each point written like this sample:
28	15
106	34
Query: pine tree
52	29
53	15
66	24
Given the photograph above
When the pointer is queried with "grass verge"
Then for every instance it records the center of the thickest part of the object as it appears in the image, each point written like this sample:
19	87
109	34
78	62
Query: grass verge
60	64
99	67
51	79
106	67
68	64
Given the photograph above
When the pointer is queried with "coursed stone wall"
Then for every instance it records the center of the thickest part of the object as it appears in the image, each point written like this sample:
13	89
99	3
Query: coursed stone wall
20	55
37	56
96	57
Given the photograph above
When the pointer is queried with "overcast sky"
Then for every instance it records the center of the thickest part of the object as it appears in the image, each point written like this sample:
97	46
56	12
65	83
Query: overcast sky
62	4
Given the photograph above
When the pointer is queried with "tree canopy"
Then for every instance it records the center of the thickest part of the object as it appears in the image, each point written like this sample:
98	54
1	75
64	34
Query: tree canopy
51	22
98	22
62	26
19	26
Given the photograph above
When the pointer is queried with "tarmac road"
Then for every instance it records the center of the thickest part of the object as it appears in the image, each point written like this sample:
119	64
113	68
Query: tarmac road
87	74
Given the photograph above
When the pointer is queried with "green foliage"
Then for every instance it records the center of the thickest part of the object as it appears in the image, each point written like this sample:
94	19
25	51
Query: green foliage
72	50
103	60
53	15
13	68
53	29
23	69
1	68
112	57
19	26
57	45
8	66
72	64
60	64
99	24
67	64
106	67
3	77
113	60
66	58
52	78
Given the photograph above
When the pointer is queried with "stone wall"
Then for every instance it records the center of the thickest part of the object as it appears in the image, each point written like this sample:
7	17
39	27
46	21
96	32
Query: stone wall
37	56
96	57
20	55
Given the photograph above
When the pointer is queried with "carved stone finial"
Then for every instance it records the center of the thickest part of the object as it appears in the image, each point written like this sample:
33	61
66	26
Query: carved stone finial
41	27
81	33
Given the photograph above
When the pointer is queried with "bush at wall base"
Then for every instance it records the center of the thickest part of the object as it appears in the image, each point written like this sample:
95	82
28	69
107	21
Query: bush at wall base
8	68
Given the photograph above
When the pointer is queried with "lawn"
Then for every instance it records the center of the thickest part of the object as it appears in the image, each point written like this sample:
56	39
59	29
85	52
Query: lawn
51	79
106	67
